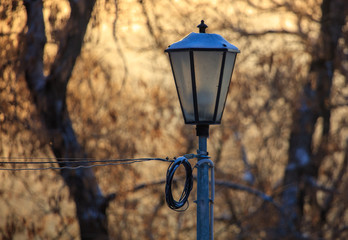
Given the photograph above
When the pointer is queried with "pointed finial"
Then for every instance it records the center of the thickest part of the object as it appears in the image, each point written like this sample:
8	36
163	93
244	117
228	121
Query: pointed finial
202	27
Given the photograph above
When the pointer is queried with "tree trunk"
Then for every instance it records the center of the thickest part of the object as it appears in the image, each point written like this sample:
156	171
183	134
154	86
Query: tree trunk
314	102
49	96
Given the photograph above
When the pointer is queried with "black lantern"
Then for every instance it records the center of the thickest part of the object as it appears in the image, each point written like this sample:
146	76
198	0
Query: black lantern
202	66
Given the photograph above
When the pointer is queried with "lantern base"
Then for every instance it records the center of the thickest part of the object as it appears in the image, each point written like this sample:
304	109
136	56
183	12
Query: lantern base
202	130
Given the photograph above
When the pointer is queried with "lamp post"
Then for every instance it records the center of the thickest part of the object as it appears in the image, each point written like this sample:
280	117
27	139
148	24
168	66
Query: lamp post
202	66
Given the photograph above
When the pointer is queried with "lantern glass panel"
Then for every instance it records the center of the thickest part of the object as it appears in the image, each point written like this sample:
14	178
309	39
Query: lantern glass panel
207	67
182	73
227	74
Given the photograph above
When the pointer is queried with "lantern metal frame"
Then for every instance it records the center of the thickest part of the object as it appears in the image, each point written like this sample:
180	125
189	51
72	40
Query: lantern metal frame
190	47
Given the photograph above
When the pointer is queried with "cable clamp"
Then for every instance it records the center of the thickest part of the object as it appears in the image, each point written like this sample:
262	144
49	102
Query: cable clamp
200	155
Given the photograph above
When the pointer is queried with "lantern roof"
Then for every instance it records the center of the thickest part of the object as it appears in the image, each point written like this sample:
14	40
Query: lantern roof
203	41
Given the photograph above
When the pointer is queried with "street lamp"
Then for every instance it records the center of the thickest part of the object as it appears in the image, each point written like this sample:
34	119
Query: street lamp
202	66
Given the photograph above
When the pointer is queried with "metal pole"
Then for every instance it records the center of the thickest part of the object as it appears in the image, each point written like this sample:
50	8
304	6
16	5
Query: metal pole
203	220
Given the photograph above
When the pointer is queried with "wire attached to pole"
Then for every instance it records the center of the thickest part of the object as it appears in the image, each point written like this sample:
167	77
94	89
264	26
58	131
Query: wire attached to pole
69	163
171	202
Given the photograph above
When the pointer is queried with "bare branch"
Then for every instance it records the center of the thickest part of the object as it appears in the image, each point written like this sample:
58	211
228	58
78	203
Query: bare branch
290	7
71	44
36	40
248	175
250	190
119	49
152	27
247	33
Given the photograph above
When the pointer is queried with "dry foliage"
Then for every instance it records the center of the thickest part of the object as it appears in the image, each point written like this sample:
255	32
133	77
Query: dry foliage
122	103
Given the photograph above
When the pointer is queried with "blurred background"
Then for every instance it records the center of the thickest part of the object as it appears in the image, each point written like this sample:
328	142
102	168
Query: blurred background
122	102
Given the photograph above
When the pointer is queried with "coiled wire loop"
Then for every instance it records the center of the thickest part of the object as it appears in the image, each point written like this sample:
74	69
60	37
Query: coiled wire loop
171	202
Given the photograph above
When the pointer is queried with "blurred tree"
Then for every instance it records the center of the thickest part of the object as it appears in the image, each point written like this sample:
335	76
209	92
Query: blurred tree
49	95
302	171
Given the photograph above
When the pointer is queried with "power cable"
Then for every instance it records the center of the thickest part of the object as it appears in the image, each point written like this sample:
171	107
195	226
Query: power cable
75	163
